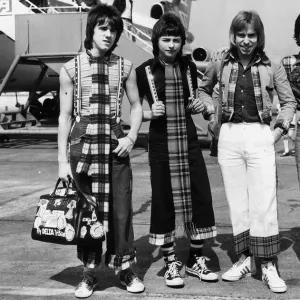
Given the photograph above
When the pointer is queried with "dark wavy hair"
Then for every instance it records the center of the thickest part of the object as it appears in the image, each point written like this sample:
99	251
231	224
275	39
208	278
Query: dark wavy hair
167	25
241	21
297	31
97	16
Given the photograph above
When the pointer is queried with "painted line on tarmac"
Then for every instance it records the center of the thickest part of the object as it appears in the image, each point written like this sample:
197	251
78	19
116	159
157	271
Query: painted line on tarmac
48	292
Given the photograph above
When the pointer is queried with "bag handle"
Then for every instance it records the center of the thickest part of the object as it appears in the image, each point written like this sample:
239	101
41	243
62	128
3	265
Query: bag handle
66	185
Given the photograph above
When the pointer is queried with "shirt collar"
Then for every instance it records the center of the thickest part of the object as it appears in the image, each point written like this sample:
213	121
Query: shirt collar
93	58
258	58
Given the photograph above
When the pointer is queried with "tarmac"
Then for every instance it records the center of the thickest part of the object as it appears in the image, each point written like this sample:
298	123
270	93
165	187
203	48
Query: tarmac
35	270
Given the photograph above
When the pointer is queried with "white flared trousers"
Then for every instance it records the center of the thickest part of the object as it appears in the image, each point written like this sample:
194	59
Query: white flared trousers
246	157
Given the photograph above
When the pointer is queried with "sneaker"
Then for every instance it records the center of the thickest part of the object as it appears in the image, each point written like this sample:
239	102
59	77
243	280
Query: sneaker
271	278
196	267
129	279
172	275
240	270
86	286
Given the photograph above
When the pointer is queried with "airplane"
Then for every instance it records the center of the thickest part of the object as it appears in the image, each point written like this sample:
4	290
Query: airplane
34	44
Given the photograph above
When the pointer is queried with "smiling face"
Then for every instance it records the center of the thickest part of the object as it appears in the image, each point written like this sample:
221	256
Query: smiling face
246	42
169	47
103	39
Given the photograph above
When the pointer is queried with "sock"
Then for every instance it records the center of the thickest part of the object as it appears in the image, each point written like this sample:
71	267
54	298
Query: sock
286	144
168	251
89	271
244	255
196	248
265	261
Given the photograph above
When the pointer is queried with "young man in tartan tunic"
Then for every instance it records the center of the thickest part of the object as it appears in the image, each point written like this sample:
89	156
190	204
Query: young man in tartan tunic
181	195
292	68
99	161
244	80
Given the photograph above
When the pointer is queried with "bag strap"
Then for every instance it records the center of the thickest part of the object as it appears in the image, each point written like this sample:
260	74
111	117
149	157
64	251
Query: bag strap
77	88
151	83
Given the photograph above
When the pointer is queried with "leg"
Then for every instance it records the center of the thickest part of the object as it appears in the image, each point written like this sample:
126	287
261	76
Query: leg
120	253
162	228
234	171
89	255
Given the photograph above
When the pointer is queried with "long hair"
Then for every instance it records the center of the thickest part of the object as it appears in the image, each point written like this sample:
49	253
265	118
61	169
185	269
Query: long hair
97	16
297	31
167	25
241	21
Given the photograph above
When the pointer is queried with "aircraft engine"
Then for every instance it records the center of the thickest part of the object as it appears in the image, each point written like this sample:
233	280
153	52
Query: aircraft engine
201	57
160	8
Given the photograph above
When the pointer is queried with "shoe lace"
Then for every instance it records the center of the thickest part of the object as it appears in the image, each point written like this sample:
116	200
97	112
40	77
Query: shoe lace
173	268
131	278
201	264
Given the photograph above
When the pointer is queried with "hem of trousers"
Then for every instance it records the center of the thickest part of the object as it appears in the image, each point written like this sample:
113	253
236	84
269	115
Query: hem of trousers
119	263
161	239
204	233
260	247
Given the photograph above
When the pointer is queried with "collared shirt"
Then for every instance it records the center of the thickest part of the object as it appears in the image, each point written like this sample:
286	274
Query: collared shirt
158	146
245	109
292	67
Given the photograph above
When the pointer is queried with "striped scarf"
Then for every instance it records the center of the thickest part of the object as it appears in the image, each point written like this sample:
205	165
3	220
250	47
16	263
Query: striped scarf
178	149
94	159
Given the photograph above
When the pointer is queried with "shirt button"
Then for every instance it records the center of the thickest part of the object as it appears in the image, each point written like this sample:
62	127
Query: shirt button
242	91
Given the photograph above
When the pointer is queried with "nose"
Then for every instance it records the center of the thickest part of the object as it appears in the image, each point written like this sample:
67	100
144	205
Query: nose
171	45
108	33
246	40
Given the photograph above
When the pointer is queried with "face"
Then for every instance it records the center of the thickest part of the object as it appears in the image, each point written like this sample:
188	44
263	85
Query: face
169	47
246	42
103	39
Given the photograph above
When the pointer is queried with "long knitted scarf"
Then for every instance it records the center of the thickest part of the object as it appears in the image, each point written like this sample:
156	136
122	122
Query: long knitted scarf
178	148
94	159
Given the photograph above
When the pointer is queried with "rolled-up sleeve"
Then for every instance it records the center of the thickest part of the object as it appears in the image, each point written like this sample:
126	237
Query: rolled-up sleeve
286	98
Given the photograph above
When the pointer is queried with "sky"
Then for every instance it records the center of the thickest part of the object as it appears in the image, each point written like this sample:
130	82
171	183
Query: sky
210	22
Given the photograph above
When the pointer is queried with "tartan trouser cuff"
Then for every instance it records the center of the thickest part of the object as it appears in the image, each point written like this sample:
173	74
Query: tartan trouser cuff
161	239
204	233
241	242
265	247
261	247
120	262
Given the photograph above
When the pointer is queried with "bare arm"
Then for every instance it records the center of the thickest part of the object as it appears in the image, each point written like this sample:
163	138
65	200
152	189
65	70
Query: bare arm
64	127
136	113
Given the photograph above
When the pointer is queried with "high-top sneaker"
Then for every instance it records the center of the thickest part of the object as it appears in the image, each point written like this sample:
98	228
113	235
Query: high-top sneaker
172	275
196	266
271	278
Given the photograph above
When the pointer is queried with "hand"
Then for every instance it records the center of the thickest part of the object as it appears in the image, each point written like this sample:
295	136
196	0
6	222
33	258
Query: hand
158	109
197	106
212	125
277	134
124	147
217	55
64	170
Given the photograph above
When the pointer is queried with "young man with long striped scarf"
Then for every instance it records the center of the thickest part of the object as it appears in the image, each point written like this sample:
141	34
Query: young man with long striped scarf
181	195
245	80
99	161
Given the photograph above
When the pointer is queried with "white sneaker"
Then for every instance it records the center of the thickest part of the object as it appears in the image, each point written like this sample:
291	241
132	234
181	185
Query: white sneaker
129	279
240	270
86	286
271	278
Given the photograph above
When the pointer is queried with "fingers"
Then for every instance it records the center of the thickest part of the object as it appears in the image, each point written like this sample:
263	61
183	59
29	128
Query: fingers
197	106
158	109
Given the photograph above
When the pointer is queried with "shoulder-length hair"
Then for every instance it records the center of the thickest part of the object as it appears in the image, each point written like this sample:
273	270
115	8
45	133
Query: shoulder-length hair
167	25
297	31
240	23
98	16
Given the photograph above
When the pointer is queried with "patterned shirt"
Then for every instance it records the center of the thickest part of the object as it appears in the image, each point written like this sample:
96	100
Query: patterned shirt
292	68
